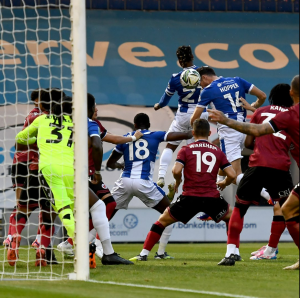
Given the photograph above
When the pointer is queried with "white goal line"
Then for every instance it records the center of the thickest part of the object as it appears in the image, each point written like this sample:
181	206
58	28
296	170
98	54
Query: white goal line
171	289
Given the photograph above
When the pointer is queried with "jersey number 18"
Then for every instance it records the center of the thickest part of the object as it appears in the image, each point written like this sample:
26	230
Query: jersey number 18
140	145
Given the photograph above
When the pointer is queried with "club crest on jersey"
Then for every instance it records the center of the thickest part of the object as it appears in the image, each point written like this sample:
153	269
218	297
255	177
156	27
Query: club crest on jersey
104	186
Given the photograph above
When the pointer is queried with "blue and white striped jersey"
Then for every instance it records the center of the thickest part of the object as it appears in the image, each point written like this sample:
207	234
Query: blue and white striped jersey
188	98
140	156
93	128
223	94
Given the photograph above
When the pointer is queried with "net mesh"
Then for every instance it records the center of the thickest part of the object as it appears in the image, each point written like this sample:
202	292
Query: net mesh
35	53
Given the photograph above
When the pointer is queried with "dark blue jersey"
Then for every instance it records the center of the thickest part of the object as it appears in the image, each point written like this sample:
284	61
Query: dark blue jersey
188	98
223	94
140	156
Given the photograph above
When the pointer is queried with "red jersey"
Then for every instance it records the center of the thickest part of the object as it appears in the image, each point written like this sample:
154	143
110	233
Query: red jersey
26	156
289	122
202	161
270	151
91	161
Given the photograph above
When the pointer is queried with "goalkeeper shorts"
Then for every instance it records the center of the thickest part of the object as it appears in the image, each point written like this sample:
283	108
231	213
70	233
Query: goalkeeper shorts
58	182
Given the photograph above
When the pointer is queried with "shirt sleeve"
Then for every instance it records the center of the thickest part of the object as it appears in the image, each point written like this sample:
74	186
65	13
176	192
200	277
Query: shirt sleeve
93	129
28	135
161	136
102	130
281	121
246	85
169	92
204	99
181	156
224	162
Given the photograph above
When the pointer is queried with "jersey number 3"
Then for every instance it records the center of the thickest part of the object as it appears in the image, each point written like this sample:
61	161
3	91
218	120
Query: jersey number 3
56	132
203	159
140	146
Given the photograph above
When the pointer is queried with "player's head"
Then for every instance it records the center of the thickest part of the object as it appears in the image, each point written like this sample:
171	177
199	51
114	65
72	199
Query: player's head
201	129
91	101
295	89
280	96
207	75
64	107
50	97
185	55
35	95
141	121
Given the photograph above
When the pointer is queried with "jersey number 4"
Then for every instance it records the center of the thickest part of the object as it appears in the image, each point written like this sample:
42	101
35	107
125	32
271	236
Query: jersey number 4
56	132
270	116
203	159
140	146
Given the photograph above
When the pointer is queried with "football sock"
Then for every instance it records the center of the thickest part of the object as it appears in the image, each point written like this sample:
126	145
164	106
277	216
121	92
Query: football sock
18	223
13	214
144	252
235	228
100	222
277	228
237	251
38	237
67	218
270	250
92	235
111	205
39	227
230	250
165	160
46	234
293	227
239	178
153	236
164	239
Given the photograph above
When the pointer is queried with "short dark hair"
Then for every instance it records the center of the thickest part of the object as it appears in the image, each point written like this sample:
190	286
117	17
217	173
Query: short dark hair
201	128
142	120
280	96
295	84
61	109
35	94
50	97
91	102
206	70
185	54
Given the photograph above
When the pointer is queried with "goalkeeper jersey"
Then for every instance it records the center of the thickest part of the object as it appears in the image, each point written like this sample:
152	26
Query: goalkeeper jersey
55	143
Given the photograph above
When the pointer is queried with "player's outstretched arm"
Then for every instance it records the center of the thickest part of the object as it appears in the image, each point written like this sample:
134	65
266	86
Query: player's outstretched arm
230	176
261	97
246	128
115	139
97	154
177	136
113	163
177	174
28	135
196	115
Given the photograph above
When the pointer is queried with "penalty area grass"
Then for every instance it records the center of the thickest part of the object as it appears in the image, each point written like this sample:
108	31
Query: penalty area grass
194	268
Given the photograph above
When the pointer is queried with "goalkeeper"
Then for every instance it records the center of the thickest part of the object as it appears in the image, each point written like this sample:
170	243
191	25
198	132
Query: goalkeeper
54	136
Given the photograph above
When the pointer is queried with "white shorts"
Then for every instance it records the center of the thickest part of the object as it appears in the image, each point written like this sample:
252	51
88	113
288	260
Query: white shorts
232	143
146	190
182	123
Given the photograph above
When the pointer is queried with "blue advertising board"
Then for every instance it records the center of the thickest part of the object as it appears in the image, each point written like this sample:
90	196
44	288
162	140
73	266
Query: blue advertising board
132	55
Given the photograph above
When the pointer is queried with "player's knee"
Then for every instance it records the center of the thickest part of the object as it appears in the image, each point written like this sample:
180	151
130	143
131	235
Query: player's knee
165	219
243	208
21	215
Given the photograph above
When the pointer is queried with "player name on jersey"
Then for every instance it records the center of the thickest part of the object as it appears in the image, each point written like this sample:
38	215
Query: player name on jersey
206	145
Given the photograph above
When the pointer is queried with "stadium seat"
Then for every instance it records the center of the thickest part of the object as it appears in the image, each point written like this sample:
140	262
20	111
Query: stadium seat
296	6
115	4
285	6
251	5
167	5
134	4
184	4
268	5
234	5
219	5
201	5
150	5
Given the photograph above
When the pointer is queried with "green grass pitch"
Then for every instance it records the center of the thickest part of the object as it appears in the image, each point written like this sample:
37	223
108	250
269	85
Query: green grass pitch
195	268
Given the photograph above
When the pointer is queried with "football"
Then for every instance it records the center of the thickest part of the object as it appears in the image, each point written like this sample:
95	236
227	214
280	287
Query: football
190	79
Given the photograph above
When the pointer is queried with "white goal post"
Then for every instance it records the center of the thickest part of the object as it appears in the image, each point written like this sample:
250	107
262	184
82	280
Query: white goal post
42	45
79	90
